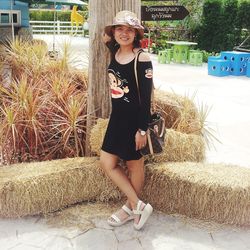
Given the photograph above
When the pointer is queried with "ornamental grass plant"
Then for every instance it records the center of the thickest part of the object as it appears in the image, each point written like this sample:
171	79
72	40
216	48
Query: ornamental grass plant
43	110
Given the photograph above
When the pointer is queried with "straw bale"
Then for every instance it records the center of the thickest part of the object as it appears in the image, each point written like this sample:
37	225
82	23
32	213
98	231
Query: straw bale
213	192
97	135
180	112
216	192
181	147
178	146
170	107
33	188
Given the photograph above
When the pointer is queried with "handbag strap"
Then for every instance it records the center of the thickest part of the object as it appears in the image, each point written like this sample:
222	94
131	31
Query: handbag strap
150	145
136	79
136	75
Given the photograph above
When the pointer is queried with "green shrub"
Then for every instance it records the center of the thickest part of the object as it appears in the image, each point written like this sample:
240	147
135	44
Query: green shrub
207	54
243	19
41	15
229	25
48	15
224	25
209	33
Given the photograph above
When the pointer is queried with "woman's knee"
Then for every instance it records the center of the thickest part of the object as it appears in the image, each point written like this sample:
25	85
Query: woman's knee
135	165
107	161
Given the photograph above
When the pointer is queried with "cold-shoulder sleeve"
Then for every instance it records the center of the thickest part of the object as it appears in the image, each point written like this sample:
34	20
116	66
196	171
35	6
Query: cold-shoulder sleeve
145	81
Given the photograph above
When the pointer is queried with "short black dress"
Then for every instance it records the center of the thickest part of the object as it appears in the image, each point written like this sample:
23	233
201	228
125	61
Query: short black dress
128	113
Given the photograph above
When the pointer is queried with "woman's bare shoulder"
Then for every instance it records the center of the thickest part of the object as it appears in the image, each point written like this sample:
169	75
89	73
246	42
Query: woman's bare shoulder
144	57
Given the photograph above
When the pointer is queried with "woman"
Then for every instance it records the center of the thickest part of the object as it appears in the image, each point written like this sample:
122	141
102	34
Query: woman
126	132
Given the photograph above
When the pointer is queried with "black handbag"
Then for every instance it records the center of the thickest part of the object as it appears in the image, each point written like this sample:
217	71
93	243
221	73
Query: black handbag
155	135
156	127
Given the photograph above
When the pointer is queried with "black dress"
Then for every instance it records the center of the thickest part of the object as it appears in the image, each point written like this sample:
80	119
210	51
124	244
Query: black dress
128	113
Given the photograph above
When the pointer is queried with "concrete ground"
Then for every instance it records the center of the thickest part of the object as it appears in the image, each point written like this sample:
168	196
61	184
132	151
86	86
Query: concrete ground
74	228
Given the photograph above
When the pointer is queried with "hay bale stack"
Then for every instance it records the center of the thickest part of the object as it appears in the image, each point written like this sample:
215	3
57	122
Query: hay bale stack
180	112
170	107
178	146
97	134
210	192
34	188
214	192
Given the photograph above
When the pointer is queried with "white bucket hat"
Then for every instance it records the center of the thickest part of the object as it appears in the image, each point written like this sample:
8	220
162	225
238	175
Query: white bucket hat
128	18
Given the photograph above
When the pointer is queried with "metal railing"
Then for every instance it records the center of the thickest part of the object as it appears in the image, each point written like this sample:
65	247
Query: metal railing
56	27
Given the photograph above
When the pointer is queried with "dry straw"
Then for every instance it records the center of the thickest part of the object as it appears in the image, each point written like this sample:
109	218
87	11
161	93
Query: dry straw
178	146
214	192
181	147
180	112
97	135
28	189
82	216
218	192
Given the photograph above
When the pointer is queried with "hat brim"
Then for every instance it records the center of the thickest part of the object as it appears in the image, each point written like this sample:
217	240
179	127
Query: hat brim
108	29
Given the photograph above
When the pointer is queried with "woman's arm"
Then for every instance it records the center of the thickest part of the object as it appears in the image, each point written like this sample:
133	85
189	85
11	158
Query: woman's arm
145	81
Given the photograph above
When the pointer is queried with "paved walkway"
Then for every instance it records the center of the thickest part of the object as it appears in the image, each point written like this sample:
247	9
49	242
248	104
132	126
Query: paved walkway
162	232
78	228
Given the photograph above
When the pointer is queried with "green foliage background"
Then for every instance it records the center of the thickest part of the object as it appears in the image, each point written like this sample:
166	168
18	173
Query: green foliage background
224	24
48	15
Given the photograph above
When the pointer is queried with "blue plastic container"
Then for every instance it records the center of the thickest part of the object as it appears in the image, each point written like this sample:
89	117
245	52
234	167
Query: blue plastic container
238	61
248	69
218	67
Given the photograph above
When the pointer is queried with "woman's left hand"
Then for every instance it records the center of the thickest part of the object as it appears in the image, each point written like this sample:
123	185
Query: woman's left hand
140	141
106	38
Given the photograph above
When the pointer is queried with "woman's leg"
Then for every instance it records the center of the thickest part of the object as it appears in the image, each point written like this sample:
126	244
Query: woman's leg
137	176
136	172
118	177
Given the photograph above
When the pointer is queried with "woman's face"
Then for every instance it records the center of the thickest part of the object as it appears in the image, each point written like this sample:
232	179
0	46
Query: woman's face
124	35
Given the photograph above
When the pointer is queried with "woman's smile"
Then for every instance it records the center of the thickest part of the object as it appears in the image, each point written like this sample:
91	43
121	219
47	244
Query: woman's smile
124	34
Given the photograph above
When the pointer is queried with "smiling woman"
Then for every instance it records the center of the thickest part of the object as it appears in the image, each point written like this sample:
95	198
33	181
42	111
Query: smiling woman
128	123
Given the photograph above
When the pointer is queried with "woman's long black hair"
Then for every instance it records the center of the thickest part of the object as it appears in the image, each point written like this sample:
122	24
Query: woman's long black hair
114	46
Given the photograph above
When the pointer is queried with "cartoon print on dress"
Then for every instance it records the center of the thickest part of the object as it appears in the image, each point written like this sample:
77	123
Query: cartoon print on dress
149	73
116	85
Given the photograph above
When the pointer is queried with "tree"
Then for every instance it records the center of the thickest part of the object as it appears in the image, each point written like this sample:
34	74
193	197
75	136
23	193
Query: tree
229	25
195	12
101	13
209	34
243	20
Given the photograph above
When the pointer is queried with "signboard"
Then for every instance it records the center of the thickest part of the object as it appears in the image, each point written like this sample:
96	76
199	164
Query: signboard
162	13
